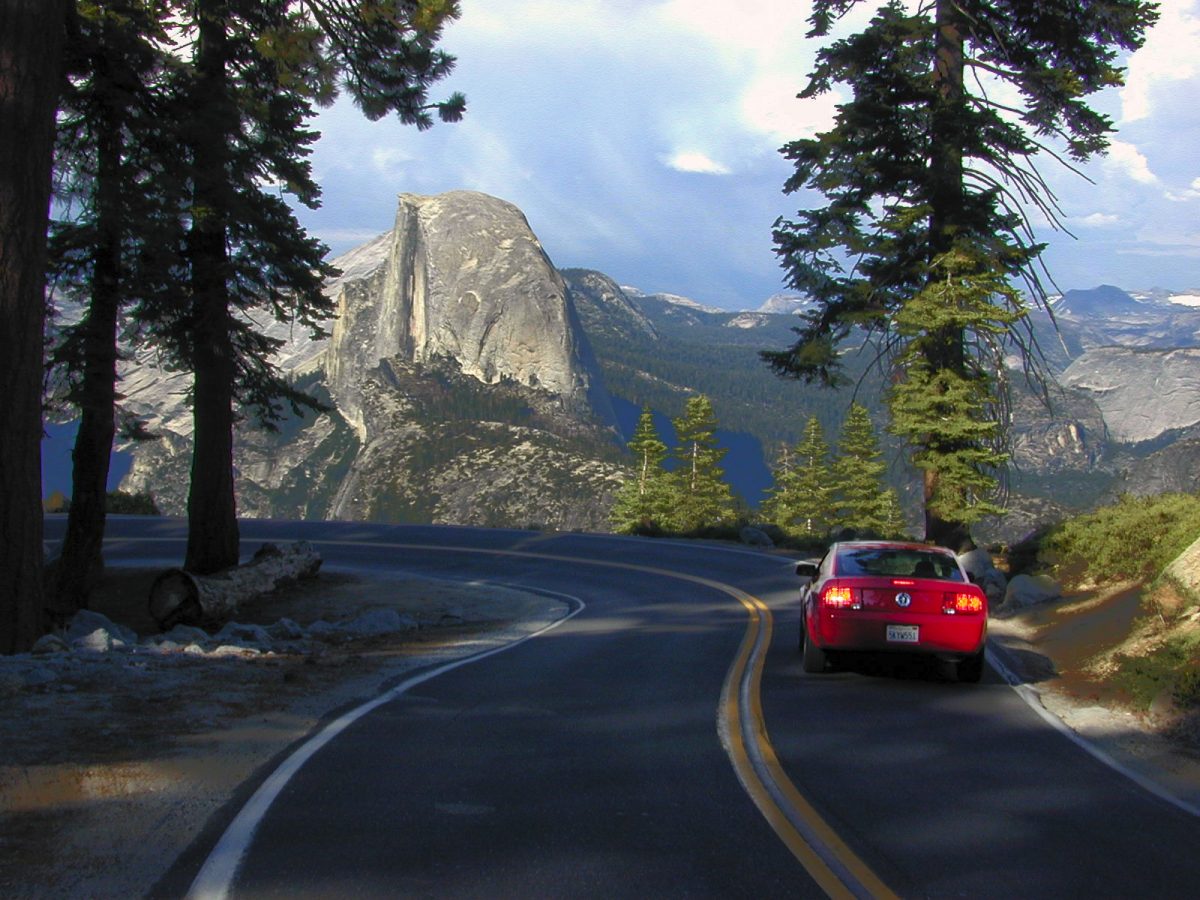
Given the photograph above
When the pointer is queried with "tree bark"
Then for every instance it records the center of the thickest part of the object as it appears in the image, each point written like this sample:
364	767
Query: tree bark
178	596
213	537
946	202
32	36
82	560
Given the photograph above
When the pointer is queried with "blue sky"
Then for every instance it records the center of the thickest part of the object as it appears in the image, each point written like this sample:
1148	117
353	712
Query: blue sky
641	138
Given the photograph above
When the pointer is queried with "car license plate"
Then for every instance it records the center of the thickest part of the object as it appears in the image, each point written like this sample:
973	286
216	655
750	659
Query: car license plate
903	634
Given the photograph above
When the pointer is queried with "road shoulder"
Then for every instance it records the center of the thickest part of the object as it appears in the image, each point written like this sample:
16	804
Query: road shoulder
111	768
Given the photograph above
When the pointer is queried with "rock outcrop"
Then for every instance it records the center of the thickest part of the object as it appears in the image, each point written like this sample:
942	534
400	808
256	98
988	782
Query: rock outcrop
464	279
461	387
1143	394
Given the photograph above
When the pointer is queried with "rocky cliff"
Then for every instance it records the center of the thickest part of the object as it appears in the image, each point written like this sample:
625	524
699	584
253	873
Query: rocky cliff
462	390
464	279
1143	394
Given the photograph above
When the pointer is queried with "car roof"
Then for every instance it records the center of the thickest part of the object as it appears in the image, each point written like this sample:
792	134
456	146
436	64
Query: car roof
892	545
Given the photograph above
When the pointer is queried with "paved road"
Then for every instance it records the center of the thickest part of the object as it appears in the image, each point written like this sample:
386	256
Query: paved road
590	761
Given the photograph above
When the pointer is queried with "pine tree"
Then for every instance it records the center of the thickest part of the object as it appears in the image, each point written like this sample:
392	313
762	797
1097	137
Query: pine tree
32	38
857	475
701	498
922	163
642	503
950	416
255	73
113	245
802	497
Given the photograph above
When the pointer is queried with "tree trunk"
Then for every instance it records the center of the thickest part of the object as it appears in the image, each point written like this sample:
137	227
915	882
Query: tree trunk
178	596
946	200
82	560
32	35
212	507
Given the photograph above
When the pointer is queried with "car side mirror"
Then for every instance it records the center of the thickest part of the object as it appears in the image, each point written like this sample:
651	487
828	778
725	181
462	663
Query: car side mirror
806	570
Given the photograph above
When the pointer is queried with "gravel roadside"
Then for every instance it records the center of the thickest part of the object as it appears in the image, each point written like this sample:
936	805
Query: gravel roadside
110	769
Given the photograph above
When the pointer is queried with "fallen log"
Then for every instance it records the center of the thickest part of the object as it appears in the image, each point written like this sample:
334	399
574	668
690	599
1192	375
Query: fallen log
181	597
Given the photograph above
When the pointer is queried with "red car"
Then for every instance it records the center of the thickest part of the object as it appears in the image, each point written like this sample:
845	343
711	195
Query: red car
892	597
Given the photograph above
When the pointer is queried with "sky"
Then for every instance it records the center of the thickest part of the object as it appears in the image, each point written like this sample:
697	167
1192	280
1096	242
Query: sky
641	138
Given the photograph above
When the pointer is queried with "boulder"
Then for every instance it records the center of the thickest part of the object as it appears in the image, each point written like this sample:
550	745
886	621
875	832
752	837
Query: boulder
95	633
1030	590
1184	571
756	537
979	566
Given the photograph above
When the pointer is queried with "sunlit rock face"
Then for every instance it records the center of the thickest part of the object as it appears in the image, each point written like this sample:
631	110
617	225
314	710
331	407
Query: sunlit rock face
1143	394
464	279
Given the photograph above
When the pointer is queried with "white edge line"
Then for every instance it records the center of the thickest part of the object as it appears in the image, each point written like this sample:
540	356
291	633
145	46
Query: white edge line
1034	701
215	877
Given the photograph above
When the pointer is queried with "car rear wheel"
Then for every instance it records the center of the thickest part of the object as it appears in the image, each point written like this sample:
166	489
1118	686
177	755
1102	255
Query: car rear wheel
813	658
970	669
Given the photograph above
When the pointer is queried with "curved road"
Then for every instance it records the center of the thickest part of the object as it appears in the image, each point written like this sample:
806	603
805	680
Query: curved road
663	741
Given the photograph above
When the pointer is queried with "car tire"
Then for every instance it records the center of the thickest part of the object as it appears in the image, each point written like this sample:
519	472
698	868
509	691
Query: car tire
970	669
814	660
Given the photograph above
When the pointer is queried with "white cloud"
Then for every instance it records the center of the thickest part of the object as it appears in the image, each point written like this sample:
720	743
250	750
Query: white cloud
691	161
1125	157
769	106
1169	54
1100	220
1191	193
389	161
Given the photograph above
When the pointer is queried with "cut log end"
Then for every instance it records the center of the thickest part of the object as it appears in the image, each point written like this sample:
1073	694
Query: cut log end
178	596
175	598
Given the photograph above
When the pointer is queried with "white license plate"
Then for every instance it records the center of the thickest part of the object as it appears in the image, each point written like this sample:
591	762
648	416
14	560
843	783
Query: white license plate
904	634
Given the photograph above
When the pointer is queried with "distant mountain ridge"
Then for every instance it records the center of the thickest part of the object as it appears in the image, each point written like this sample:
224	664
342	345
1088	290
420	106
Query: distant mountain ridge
473	382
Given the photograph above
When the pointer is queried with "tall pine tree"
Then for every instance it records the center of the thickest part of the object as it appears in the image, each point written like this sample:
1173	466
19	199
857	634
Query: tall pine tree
923	162
33	34
113	244
642	503
256	70
701	498
859	490
801	501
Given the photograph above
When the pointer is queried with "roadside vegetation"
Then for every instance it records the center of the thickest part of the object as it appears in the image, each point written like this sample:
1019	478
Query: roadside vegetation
816	492
1140	540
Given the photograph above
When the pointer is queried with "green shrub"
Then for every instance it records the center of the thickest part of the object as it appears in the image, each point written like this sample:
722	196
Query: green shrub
1187	686
122	503
1174	665
1134	539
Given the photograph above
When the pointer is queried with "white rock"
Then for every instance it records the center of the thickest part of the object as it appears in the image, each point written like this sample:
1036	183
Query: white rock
86	622
247	634
1029	590
378	621
185	634
227	650
48	644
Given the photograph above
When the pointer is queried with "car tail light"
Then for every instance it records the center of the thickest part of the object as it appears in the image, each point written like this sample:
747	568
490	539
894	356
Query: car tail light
838	597
962	603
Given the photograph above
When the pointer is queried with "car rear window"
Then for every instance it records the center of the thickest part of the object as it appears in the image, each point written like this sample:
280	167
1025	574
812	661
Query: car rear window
902	562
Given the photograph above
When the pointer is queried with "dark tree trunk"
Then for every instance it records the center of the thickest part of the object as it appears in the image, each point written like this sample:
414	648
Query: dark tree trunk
82	561
32	34
946	202
212	509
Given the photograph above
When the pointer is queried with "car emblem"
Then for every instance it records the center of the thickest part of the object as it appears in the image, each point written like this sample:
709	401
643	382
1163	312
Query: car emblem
903	599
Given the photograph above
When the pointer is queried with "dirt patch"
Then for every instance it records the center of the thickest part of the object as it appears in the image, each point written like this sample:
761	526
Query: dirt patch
109	770
1064	651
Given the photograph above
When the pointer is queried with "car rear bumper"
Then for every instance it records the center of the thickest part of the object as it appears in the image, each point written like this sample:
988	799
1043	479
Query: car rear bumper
867	631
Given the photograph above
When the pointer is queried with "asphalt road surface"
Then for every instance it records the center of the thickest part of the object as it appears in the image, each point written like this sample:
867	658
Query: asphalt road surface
663	741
